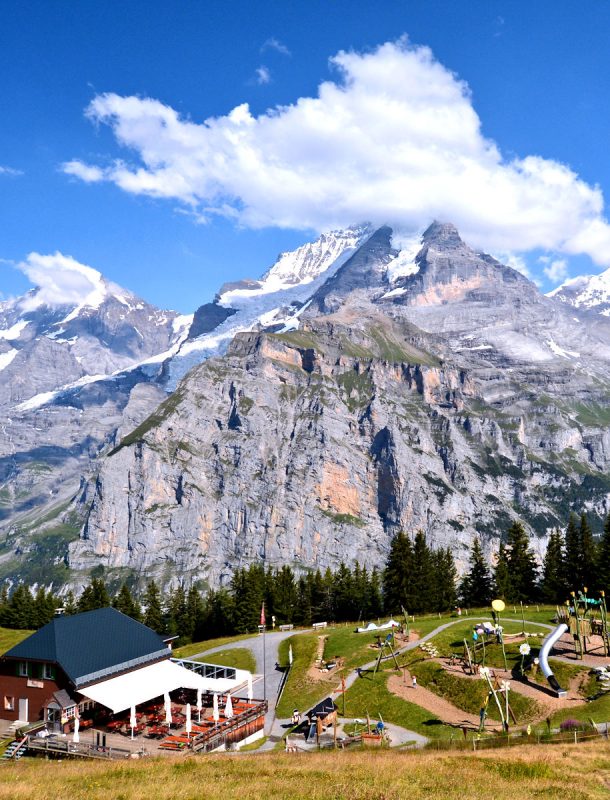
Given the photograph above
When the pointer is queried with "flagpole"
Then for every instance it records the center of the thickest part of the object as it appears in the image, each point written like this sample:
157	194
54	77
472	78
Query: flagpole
263	623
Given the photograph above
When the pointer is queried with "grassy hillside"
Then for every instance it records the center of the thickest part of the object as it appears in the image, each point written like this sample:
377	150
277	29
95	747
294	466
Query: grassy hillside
9	638
579	772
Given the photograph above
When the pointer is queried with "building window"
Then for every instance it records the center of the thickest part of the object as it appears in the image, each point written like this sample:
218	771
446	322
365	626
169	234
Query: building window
23	669
48	671
9	703
70	712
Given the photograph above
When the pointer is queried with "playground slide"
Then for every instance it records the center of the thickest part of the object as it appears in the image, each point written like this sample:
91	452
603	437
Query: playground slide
543	656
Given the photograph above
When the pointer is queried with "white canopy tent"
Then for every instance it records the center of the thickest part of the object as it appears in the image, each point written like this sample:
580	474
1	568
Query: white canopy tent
141	685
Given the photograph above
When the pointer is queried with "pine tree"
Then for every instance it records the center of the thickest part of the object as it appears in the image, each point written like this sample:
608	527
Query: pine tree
194	613
422	574
588	555
285	595
397	576
522	567
444	574
573	567
70	606
43	608
375	595
344	595
476	587
502	574
303	613
553	570
20	612
603	560
153	615
125	603
94	596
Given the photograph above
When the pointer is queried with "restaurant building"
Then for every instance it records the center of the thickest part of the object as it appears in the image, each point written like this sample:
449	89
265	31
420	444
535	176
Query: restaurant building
99	657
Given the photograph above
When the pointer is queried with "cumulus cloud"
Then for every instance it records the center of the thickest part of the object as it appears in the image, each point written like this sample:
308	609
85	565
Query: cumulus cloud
556	270
61	280
274	44
393	139
263	75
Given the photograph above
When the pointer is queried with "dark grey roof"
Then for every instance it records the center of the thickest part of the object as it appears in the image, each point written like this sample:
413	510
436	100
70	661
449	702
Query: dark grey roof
323	708
63	699
92	646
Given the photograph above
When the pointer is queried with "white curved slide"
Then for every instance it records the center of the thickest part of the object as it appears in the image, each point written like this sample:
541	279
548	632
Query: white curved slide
543	657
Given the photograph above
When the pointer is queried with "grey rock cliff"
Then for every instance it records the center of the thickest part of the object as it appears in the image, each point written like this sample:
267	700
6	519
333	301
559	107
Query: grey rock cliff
456	404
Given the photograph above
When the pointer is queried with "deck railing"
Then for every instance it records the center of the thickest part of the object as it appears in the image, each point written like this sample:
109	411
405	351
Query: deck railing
233	730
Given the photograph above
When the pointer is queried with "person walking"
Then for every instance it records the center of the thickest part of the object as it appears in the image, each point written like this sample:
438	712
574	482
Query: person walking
414	682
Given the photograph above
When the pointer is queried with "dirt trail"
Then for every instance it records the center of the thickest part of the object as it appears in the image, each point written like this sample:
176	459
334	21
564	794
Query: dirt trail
449	713
438	706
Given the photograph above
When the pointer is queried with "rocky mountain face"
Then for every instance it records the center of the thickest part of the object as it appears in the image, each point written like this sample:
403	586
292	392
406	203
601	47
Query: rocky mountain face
70	376
590	292
428	388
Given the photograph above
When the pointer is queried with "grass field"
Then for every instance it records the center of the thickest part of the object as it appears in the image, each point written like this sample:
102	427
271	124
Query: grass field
238	657
9	638
577	772
194	648
370	695
299	691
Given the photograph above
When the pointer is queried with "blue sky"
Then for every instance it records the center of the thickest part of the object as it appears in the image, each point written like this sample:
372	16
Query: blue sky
166	226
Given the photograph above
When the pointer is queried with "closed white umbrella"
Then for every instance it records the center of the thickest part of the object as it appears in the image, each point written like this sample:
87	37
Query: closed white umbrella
229	707
290	655
250	694
76	736
215	714
199	703
132	719
189	724
168	708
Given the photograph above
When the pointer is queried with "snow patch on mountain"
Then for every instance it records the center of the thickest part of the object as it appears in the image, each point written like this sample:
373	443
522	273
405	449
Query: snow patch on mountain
7	358
276	300
14	332
404	263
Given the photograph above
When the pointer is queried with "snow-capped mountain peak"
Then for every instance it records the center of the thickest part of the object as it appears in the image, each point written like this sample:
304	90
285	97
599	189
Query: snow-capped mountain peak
310	260
591	292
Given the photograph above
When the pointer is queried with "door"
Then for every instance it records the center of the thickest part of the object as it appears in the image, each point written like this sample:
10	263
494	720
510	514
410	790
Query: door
23	709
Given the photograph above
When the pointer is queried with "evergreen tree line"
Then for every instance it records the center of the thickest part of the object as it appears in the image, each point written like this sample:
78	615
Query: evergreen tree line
573	561
416	578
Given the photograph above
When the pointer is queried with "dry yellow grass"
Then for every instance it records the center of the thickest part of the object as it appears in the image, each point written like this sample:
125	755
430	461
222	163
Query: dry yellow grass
565	773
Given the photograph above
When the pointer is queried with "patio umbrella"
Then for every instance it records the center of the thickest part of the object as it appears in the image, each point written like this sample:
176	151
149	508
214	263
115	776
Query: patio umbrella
76	737
250	695
199	703
168	708
228	707
215	714
189	726
132	719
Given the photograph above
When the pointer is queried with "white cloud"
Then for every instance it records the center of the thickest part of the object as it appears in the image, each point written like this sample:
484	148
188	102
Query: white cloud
394	138
556	271
515	261
263	75
10	171
61	280
85	172
274	44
